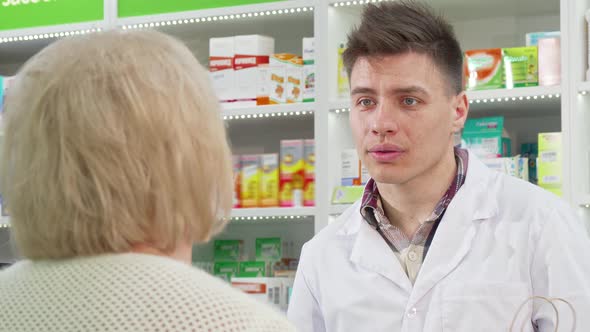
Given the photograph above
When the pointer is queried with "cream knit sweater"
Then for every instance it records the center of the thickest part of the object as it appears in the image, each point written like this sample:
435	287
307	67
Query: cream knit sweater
128	292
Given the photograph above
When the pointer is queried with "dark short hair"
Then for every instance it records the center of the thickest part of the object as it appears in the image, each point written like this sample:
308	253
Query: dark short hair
392	28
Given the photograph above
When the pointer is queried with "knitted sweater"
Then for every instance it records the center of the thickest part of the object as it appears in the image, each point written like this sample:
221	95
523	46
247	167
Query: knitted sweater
125	292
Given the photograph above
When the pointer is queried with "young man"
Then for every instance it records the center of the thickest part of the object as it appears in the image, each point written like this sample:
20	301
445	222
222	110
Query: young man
438	241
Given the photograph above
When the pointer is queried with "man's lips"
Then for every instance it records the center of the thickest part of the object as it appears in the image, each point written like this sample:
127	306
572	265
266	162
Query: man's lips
385	153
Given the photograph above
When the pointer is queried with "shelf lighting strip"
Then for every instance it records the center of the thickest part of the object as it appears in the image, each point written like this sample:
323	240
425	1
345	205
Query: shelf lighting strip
47	35
267	218
506	99
356	2
583	93
218	18
4	225
265	115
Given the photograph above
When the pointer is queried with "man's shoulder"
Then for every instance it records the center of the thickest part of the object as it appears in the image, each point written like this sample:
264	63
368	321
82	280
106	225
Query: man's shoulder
511	190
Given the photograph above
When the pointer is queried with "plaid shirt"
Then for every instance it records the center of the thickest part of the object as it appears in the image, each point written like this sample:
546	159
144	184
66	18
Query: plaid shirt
411	251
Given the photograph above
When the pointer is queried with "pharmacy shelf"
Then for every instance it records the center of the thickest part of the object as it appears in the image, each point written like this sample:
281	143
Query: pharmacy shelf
583	201
18	45
268	111
469	9
518	102
4	222
218	15
584	88
272	213
517	94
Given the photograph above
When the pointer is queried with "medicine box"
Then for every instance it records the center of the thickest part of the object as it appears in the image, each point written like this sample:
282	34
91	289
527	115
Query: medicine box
309	185
251	53
308	70
221	68
487	138
292	174
484	69
250	177
520	66
269	184
228	250
350	167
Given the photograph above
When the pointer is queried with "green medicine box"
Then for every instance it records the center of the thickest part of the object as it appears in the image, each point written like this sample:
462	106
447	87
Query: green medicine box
521	66
486	138
549	163
252	269
268	249
226	270
228	250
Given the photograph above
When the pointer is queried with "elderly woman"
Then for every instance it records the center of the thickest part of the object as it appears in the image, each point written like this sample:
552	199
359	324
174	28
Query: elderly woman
115	161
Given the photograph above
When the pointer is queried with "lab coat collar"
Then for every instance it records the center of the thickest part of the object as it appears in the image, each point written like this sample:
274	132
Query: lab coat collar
452	241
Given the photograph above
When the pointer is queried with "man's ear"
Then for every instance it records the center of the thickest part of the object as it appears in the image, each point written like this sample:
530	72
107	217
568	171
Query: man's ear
460	111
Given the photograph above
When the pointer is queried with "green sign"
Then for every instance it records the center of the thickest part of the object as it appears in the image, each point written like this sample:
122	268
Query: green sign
129	8
19	14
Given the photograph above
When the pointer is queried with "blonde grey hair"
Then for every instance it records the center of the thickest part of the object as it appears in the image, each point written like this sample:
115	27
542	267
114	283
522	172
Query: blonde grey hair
111	140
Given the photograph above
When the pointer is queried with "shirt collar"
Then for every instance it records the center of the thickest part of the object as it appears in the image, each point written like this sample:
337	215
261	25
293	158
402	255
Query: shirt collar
371	200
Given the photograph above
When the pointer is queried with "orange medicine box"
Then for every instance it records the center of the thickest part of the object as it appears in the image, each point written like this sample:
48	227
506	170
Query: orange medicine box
269	183
237	180
250	186
309	185
292	173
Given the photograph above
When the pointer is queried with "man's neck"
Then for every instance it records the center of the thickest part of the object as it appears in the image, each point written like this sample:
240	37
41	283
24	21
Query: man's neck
409	204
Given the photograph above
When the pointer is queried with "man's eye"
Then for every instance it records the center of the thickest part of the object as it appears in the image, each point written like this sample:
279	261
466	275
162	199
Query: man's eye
366	102
410	101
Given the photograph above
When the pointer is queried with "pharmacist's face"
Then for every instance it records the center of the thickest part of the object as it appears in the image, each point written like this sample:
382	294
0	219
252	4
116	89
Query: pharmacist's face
403	115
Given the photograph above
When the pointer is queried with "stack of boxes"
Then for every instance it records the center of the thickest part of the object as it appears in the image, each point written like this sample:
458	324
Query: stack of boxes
353	177
252	52
269	277
487	139
230	260
263	181
501	68
538	63
549	163
246	72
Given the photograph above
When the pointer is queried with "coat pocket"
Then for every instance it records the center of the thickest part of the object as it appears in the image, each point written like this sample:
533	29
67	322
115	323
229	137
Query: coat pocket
483	307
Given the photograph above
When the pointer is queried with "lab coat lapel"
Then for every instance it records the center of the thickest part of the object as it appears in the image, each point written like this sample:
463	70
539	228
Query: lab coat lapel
455	233
371	252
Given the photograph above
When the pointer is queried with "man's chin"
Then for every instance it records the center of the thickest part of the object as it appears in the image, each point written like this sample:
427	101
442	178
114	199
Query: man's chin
391	177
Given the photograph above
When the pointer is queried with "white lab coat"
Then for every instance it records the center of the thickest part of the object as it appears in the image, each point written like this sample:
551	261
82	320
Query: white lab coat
501	240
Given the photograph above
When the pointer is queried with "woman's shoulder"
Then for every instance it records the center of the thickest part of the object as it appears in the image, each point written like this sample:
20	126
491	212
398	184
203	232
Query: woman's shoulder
202	295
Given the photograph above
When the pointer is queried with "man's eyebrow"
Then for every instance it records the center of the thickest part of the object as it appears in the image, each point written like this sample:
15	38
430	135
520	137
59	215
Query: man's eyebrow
402	90
409	90
362	90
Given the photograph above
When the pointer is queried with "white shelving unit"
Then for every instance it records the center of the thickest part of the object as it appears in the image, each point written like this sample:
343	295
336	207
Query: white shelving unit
268	111
478	24
271	213
4	222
